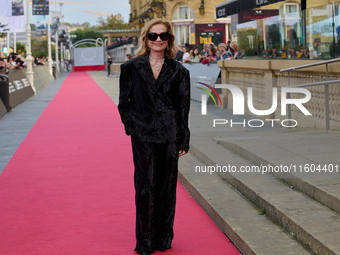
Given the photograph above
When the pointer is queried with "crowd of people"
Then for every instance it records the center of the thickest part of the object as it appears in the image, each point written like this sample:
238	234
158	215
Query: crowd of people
209	54
17	61
299	53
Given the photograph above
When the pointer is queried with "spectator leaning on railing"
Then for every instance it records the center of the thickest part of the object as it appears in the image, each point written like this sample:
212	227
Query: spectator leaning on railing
4	67
222	53
186	54
178	54
194	55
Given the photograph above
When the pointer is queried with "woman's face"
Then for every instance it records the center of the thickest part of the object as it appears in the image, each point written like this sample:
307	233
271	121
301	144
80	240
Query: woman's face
221	48
157	45
196	51
184	49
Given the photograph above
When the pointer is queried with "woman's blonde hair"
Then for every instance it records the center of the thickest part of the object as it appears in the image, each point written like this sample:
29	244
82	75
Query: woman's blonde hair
169	52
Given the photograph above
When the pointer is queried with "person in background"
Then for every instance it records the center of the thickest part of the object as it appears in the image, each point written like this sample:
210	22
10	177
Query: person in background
268	53
186	54
212	57
178	54
300	52
284	53
18	63
205	49
228	48
195	55
4	67
274	54
37	62
222	53
237	54
109	62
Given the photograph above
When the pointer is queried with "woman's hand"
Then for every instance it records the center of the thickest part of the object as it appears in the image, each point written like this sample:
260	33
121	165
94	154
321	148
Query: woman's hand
181	153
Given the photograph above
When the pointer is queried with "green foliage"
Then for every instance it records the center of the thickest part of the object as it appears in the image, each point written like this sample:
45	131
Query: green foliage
21	49
111	23
3	28
243	35
39	48
86	34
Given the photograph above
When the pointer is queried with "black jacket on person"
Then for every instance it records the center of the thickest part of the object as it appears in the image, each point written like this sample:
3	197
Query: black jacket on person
155	110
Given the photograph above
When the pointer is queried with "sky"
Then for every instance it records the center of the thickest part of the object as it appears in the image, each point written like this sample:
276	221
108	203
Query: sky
73	12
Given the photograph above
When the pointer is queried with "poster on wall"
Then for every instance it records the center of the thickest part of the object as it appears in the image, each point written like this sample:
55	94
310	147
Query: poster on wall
209	33
40	7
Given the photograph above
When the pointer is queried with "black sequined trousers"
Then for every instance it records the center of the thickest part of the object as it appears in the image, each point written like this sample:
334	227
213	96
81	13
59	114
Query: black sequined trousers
155	179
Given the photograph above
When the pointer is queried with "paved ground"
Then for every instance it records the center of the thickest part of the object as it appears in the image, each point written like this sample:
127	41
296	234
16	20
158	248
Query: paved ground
299	149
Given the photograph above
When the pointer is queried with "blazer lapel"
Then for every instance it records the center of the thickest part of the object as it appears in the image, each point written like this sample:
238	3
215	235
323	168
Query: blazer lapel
168	69
144	69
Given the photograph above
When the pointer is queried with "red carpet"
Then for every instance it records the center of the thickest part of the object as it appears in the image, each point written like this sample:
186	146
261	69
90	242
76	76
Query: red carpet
69	187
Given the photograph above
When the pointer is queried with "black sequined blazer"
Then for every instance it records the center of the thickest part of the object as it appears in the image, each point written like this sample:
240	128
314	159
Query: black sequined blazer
155	110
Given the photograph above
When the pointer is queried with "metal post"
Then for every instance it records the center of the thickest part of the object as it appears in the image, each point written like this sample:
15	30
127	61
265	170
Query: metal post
8	51
61	55
56	50
289	105
29	72
49	43
327	100
15	42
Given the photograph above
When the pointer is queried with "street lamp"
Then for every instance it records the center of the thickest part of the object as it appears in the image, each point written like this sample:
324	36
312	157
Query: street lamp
151	13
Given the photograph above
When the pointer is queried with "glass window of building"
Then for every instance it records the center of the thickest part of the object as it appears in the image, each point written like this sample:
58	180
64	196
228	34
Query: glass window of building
183	16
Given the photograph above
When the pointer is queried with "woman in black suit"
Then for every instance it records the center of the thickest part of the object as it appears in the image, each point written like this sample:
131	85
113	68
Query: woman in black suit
154	106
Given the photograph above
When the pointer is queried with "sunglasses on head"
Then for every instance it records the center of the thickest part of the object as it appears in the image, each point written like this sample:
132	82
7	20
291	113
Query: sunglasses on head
164	36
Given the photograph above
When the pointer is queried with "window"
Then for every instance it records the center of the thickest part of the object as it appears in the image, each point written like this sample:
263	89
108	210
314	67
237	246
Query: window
289	7
183	16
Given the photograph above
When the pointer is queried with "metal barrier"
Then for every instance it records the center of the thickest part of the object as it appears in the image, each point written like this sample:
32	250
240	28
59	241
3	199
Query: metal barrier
325	83
4	91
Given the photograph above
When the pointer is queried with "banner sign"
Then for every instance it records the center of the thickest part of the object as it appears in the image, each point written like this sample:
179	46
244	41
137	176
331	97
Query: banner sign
40	25
17	7
6	8
40	7
209	33
231	7
200	73
89	56
19	87
14	23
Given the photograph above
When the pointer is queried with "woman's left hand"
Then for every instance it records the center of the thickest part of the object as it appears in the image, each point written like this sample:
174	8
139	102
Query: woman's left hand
182	153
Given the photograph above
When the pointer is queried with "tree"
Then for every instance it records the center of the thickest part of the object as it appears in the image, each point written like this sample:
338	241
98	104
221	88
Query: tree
3	29
39	47
112	22
86	34
21	49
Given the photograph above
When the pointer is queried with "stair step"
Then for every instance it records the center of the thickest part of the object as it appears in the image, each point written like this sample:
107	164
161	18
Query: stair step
314	225
320	186
250	232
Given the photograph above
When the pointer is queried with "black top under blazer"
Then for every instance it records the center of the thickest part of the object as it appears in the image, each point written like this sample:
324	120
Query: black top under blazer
155	110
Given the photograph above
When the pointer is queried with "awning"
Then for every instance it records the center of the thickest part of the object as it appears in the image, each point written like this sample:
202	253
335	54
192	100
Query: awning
236	6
